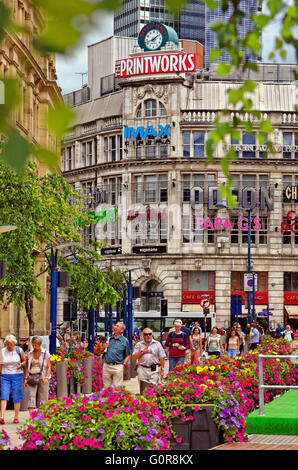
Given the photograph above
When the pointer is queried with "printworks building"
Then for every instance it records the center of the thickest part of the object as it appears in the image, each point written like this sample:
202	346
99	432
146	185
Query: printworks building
138	150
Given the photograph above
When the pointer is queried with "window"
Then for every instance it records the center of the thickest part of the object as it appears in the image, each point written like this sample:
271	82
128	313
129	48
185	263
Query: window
151	189
291	282
198	281
193	144
113	148
151	108
290	145
237	282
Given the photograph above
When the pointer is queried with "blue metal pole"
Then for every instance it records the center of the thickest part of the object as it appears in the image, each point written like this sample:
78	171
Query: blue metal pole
91	330
53	305
125	312
253	299
248	262
106	321
110	319
117	311
130	313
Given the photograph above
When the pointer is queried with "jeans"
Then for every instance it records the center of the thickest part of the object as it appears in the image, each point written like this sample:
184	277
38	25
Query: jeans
232	352
12	382
174	361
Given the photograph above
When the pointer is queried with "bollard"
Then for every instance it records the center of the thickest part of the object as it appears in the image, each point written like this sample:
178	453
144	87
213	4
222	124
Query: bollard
87	365
61	373
24	403
133	368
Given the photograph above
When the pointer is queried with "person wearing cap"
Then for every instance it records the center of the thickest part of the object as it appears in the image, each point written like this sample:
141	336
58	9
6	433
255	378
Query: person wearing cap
151	360
178	343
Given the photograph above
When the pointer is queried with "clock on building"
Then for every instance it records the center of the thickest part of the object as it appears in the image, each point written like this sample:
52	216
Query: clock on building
154	35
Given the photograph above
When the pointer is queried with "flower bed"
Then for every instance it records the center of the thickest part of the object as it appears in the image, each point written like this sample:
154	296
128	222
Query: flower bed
230	384
114	420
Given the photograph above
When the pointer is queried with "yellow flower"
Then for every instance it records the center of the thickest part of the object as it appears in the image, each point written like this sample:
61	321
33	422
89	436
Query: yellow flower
212	368
199	369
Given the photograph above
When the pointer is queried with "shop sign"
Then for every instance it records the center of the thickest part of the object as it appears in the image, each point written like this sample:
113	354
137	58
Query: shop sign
149	250
194	297
111	251
291	224
155	64
260	297
145	132
219	224
291	193
291	298
247	197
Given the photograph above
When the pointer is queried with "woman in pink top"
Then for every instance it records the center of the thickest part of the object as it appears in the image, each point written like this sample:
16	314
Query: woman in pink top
232	345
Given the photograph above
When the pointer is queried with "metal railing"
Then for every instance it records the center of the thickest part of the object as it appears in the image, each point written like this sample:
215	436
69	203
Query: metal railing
261	378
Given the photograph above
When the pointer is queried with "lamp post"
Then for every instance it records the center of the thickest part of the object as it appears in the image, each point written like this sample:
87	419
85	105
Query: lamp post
52	261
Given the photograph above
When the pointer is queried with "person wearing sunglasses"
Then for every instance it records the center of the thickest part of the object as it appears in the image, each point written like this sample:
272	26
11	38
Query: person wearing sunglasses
151	360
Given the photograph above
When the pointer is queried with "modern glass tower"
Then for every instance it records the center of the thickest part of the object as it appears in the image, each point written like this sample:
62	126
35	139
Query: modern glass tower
192	23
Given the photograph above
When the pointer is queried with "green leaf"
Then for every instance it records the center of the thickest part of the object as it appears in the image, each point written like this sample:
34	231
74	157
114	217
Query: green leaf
16	151
215	54
266	126
59	119
223	69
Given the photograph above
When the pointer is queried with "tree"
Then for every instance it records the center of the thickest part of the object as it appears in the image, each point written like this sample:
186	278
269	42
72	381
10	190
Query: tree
40	208
91	285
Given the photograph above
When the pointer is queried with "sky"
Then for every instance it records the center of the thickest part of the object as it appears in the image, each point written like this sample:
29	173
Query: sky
69	67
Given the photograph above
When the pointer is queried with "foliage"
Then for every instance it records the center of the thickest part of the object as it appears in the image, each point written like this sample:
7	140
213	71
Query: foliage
5	442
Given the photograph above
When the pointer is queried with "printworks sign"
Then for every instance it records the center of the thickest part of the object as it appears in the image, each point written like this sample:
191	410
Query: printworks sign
155	64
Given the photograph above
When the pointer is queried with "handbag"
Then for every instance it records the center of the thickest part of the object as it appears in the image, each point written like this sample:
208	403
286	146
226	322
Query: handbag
34	379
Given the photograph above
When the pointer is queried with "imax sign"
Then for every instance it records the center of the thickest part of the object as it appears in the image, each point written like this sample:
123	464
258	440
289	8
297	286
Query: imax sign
145	132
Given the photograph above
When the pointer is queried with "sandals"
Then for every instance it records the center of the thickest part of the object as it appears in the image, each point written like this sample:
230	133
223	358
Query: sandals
16	421
2	421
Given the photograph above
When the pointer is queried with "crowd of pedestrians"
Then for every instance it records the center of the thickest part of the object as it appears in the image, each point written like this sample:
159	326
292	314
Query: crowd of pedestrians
30	366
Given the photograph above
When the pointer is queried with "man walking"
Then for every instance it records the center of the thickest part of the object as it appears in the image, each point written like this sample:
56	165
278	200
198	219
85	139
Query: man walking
279	330
116	356
151	360
254	336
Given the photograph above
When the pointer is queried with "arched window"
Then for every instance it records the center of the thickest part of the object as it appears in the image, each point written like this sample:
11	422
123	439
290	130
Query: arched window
151	108
151	295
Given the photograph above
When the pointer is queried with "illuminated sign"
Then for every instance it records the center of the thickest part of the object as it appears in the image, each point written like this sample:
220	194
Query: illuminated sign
291	193
99	217
248	197
155	64
291	224
145	132
220	224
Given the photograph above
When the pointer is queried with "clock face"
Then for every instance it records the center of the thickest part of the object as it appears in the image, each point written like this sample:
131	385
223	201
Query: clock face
153	39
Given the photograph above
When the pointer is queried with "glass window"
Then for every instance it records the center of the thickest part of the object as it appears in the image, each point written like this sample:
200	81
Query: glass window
198	281
249	139
186	143
198	143
150	188
163	179
287	141
150	108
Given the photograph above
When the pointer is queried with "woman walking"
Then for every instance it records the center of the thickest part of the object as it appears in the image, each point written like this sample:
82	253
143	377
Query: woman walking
195	345
12	361
233	343
38	374
241	338
213	343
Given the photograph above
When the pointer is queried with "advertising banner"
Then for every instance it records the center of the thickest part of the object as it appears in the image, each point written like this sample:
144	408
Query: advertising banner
155	64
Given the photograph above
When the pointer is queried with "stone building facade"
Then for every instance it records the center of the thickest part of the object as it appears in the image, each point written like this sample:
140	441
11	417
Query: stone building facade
140	154
38	90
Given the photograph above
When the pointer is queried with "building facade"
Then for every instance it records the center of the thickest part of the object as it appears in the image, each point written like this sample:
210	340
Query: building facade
39	90
139	153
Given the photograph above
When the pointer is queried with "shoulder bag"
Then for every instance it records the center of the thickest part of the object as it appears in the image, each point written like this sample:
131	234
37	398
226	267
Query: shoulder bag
34	379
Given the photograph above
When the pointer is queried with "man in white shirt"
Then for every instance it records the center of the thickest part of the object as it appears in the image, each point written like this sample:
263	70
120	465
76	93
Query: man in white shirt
151	360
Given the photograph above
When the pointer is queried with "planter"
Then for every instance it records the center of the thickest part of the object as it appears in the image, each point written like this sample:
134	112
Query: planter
87	385
61	374
199	434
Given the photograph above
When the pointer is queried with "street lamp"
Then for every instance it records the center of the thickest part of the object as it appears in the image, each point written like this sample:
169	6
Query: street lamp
54	286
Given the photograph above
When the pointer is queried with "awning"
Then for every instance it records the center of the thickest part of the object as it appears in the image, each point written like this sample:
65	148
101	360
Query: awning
196	308
292	310
258	309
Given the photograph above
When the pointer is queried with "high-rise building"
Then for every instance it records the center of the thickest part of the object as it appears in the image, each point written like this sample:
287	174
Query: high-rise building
192	23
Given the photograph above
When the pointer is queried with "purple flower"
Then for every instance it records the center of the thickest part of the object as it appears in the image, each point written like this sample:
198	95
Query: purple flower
101	431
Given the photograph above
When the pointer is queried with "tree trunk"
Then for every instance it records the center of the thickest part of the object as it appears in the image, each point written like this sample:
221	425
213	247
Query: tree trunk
29	313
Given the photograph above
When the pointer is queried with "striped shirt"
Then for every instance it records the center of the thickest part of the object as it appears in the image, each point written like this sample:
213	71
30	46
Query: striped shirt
181	339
